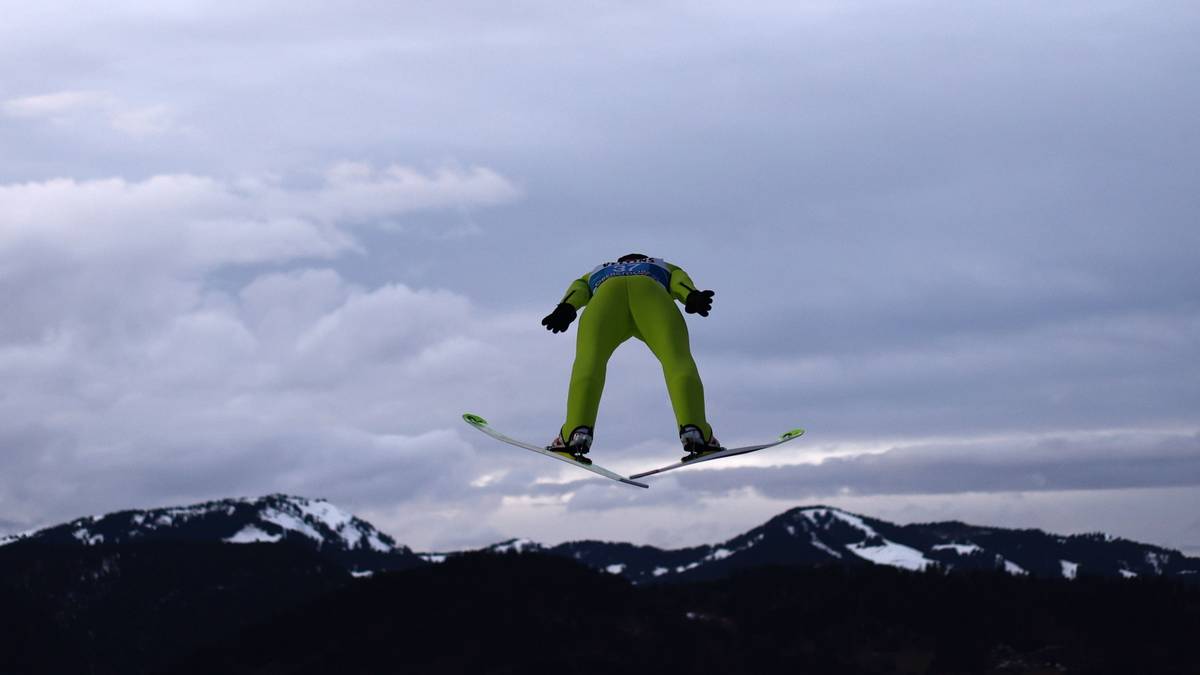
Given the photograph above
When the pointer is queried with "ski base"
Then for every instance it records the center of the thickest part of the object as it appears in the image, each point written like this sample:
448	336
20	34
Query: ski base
727	452
482	425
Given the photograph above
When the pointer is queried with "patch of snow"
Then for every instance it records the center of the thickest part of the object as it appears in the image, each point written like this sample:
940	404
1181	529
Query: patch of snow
615	569
357	574
852	520
169	516
828	515
1155	561
961	549
790	530
812	515
517	545
252	535
10	538
1069	569
893	554
1127	574
433	557
87	538
1011	567
332	517
821	545
659	571
137	518
722	553
689	566
378	544
291	523
719	554
884	553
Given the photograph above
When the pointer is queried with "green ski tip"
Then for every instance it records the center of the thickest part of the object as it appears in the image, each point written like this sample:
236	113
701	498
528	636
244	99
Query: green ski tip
474	420
791	434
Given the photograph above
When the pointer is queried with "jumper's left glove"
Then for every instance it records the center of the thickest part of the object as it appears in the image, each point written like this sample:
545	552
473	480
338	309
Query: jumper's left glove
558	320
698	302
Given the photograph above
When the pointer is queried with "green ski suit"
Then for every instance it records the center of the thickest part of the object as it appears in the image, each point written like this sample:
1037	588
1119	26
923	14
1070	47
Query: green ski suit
620	307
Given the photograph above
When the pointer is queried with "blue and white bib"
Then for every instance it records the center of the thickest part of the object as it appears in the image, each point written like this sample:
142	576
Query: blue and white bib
654	268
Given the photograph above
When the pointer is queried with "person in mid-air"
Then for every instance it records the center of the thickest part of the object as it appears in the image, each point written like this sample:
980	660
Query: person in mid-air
632	297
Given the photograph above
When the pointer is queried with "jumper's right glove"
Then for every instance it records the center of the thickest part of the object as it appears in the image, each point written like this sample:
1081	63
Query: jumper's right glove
698	302
562	316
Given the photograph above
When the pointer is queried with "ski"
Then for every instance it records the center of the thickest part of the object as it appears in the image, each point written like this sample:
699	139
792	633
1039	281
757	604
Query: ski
727	452
482	425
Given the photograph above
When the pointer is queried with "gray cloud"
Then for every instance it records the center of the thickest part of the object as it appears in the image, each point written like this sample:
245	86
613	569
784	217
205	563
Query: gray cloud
69	108
137	379
1106	462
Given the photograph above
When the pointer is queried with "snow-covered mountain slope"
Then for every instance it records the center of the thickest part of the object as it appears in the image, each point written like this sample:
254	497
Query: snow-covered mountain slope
821	535
803	536
312	523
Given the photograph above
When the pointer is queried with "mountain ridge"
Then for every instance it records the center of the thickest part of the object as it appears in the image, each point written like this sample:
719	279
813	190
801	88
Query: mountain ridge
803	535
315	524
822	535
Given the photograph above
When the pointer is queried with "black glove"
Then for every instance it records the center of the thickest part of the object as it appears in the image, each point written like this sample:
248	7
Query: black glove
698	302
558	320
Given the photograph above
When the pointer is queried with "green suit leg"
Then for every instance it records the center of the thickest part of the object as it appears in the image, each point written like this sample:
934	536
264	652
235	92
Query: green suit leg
604	325
661	326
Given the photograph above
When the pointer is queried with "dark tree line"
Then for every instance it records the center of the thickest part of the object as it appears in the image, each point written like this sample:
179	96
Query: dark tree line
271	609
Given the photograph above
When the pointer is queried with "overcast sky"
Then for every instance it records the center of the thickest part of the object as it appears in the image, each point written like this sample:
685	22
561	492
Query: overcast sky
280	247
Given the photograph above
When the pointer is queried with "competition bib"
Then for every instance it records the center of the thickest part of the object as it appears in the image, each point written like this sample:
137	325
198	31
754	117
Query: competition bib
650	267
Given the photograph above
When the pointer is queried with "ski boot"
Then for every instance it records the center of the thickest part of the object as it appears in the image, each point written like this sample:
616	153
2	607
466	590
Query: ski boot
694	443
575	449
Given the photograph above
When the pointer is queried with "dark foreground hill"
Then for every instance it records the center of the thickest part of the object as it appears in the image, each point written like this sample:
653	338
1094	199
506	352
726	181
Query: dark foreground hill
133	608
172	607
533	613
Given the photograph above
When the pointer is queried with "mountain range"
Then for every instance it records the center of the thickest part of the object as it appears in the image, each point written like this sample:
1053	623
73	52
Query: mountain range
809	535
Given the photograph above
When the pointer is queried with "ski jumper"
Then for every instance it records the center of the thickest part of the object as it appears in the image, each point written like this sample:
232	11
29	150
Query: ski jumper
624	300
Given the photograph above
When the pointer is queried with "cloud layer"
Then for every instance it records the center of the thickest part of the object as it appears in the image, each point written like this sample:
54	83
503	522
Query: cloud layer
133	368
81	108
